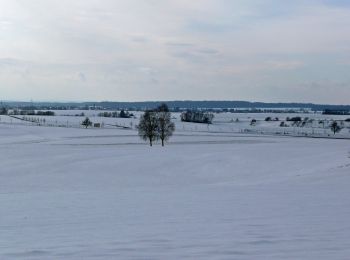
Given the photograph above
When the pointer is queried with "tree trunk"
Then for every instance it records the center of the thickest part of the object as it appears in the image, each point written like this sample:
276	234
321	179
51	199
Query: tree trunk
150	142
162	142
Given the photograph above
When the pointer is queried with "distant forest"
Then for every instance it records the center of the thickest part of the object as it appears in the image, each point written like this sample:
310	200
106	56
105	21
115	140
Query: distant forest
173	105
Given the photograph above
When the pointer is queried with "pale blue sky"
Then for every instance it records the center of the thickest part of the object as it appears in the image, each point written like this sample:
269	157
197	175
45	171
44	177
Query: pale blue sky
258	50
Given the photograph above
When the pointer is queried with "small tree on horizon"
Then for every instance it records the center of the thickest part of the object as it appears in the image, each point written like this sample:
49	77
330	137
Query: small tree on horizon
335	127
253	122
86	122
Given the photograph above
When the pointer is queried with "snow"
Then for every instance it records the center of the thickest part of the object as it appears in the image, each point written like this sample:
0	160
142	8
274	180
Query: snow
223	123
74	193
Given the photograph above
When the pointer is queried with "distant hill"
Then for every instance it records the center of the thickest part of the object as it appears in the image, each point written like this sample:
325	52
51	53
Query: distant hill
187	104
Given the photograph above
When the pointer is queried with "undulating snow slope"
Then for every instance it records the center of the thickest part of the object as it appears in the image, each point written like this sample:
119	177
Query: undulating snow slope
69	193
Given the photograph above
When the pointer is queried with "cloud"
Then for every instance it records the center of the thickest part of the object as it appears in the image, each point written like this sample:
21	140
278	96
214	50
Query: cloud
179	44
129	49
287	65
208	51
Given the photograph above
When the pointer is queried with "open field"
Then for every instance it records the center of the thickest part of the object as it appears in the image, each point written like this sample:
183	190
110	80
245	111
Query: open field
211	193
316	125
174	130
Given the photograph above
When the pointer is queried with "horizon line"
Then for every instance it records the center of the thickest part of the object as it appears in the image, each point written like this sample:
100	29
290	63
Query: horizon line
168	101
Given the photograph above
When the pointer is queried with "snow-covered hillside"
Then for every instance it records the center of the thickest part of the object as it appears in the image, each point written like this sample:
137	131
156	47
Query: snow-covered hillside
73	193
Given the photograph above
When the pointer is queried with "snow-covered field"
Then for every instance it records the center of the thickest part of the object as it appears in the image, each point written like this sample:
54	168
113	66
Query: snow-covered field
317	125
73	193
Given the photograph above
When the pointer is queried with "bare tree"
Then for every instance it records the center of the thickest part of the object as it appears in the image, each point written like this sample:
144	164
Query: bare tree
148	126
335	127
165	126
86	122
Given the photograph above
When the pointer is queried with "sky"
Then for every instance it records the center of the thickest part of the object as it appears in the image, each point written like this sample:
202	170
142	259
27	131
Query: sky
138	50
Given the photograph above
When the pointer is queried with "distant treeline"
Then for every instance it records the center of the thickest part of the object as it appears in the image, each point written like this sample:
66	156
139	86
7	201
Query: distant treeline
175	106
197	117
336	112
31	113
121	114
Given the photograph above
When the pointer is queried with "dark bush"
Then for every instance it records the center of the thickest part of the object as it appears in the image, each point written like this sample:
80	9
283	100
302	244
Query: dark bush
197	117
294	119
45	113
